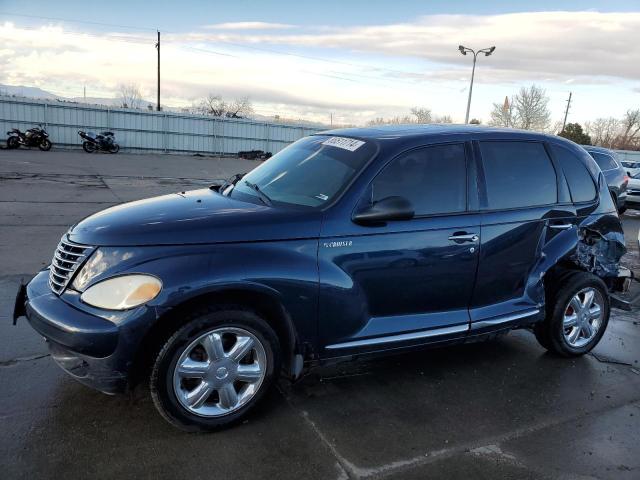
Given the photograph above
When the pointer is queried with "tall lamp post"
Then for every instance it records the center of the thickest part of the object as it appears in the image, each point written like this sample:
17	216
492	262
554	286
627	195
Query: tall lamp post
464	50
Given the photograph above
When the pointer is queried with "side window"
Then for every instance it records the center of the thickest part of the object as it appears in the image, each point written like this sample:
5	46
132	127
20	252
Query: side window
604	161
433	179
578	177
518	174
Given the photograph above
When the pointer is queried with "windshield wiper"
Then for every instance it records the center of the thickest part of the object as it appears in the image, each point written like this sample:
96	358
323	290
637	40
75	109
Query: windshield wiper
261	195
227	183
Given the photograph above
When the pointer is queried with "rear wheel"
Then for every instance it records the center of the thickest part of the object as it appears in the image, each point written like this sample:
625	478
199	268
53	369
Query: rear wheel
115	148
213	370
88	147
577	315
12	142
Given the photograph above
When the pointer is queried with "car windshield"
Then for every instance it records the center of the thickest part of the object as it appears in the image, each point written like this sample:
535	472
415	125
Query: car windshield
311	172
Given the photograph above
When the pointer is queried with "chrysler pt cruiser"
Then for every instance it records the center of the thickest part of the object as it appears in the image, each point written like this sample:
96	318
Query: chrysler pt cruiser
346	243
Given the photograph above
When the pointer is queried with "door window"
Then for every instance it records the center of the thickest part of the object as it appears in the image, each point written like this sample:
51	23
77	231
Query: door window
433	179
518	174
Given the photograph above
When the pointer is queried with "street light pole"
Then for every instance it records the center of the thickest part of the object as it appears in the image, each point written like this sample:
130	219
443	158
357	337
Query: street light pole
464	50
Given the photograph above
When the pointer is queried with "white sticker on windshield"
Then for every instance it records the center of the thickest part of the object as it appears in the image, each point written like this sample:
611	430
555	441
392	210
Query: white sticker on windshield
350	144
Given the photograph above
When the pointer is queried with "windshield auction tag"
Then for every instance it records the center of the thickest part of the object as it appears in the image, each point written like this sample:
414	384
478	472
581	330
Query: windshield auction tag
350	144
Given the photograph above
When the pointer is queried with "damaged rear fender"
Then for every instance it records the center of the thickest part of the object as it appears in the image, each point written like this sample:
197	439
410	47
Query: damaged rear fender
595	246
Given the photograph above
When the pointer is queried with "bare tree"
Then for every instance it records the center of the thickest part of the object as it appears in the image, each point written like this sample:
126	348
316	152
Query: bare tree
240	108
212	105
603	131
397	120
421	114
630	130
503	115
130	95
531	105
443	119
528	109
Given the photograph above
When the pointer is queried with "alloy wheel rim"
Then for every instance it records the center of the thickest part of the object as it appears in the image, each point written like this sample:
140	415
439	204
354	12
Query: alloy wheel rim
219	372
583	317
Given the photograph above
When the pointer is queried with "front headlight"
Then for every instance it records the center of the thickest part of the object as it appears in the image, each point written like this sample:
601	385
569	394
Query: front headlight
122	293
102	260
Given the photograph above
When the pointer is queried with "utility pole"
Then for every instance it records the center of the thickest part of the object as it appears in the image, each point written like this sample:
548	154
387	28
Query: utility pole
332	119
566	112
158	47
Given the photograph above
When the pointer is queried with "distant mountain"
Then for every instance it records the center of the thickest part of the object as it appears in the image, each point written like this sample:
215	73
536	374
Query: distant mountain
22	91
38	93
35	92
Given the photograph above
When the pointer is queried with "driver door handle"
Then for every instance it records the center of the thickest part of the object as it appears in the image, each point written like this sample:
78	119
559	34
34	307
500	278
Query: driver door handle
464	237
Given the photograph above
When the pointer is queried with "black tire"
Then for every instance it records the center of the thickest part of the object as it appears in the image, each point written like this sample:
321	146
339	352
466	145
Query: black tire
550	333
115	148
199	322
12	142
45	145
88	147
621	210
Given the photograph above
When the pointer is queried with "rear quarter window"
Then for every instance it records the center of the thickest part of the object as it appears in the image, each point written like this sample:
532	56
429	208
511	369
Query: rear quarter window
575	171
604	161
518	174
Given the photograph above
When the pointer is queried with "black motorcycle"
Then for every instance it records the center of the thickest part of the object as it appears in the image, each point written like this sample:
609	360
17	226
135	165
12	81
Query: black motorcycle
103	141
34	137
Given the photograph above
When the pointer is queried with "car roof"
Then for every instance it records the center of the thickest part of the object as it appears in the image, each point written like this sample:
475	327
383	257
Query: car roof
408	131
593	148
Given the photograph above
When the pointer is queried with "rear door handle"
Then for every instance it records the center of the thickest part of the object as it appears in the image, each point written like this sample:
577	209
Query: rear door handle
464	237
561	226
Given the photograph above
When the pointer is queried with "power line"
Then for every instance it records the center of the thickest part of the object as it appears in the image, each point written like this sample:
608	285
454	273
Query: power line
89	22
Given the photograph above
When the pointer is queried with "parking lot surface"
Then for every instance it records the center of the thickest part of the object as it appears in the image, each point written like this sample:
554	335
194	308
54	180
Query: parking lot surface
500	409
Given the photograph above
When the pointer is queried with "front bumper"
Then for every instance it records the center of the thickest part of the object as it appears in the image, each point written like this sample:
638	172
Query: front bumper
95	351
633	198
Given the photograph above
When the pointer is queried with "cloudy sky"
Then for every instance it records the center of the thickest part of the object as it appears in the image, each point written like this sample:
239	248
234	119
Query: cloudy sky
356	59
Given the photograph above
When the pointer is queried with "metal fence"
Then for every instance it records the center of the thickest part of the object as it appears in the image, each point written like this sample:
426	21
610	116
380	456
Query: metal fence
628	155
149	131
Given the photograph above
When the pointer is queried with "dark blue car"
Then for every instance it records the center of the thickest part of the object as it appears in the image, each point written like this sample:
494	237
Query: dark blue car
347	243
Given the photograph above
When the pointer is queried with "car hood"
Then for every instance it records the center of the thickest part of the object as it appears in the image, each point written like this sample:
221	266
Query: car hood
194	217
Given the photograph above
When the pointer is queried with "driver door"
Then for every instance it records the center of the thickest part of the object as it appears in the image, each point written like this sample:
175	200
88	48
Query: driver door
409	281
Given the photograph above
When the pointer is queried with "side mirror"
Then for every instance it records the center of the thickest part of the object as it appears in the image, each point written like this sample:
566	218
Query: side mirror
385	210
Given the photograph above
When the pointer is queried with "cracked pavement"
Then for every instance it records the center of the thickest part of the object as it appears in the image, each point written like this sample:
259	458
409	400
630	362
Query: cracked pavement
502	409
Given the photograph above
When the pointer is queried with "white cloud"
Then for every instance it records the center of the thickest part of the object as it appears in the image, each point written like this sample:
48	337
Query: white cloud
248	26
372	70
549	43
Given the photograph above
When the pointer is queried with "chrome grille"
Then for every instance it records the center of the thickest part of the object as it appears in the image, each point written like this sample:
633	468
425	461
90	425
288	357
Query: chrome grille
66	260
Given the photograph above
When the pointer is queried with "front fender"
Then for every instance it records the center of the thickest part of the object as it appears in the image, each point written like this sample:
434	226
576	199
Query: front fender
285	271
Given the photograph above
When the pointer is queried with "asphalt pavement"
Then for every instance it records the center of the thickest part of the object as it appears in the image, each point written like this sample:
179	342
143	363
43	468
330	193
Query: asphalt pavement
501	409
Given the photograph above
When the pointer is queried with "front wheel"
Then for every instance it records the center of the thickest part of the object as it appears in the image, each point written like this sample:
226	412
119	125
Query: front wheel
45	145
115	148
88	147
214	369
577	314
13	142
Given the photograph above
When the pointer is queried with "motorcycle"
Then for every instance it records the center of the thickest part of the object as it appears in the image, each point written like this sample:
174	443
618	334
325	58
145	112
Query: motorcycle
34	137
103	141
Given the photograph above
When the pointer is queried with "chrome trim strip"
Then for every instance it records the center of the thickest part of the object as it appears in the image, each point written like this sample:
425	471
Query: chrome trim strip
504	319
401	337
